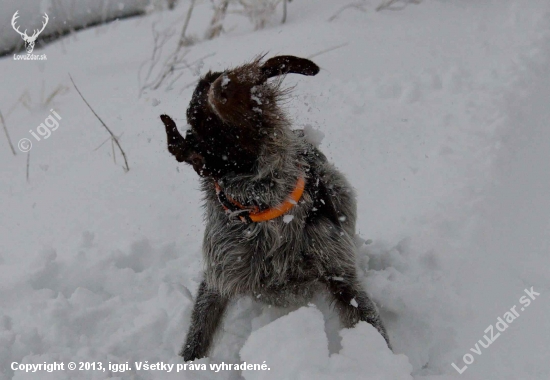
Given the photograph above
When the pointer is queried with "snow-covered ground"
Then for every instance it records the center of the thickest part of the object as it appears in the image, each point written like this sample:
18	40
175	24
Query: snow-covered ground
439	116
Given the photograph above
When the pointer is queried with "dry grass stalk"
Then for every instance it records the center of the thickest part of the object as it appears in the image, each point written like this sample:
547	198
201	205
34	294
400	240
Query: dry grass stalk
113	137
7	134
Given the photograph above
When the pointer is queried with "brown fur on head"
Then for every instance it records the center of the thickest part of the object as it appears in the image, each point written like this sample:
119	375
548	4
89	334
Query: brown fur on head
230	115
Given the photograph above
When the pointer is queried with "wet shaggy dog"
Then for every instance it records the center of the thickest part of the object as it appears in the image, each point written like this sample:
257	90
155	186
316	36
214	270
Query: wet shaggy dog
280	219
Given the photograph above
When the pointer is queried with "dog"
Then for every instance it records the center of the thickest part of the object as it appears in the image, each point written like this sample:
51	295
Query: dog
280	219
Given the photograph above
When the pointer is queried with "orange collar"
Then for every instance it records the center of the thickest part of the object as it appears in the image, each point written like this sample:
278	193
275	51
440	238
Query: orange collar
253	213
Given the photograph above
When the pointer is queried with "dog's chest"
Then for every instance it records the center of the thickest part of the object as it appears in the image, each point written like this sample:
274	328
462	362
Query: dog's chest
267	259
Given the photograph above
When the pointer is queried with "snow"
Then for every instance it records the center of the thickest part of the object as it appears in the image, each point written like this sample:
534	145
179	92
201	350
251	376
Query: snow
313	136
225	81
438	115
288	218
297	346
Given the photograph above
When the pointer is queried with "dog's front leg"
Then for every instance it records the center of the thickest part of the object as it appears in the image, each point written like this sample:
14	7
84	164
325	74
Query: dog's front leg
207	314
354	305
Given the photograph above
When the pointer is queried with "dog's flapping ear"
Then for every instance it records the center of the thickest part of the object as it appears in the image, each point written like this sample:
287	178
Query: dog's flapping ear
181	148
284	64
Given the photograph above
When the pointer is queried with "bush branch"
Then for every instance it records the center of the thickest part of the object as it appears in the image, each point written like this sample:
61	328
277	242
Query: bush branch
113	137
7	134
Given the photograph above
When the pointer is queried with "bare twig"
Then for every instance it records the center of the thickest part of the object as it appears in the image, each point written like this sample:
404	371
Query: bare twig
168	70
28	160
358	6
389	4
109	138
187	86
126	168
160	40
327	50
172	4
174	63
184	41
7	134
59	90
170	67
113	149
189	66
259	11
216	24
24	99
284	11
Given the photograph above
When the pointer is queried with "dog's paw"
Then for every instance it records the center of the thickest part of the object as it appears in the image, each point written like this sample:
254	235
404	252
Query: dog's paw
189	354
352	314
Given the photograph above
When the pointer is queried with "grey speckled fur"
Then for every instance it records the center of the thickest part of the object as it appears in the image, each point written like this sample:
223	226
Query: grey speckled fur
275	262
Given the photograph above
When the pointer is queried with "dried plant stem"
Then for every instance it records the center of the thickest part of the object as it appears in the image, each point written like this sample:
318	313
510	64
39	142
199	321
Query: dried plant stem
24	100
216	24
113	148
388	4
185	65
160	40
28	160
59	90
7	134
184	40
126	167
109	138
358	6
327	50
284	11
172	4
